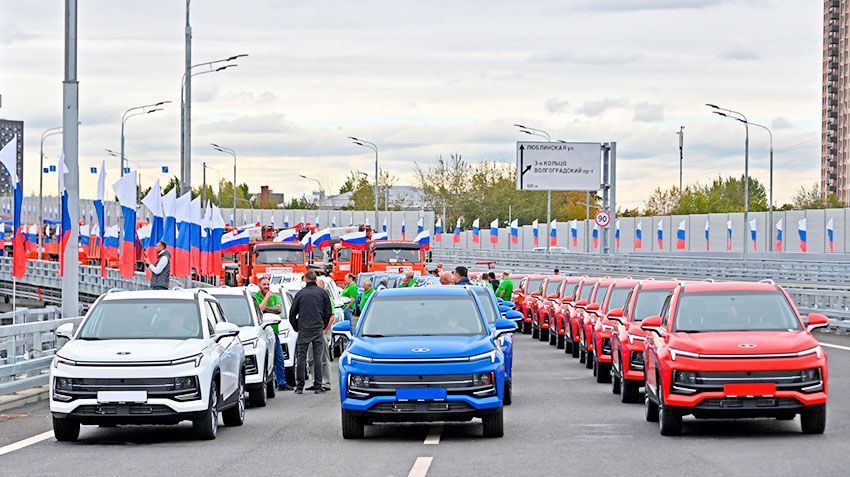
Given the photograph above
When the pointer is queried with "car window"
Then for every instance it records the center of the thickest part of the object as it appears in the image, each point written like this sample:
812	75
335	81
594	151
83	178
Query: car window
586	290
490	309
237	310
257	311
553	286
422	316
534	285
665	309
210	317
648	303
599	297
618	297
734	311
570	290
142	319
628	301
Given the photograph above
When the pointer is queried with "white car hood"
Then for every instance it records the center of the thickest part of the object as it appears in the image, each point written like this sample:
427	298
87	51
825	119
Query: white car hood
130	350
248	333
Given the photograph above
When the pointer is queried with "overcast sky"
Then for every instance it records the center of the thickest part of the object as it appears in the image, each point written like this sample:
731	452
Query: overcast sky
424	78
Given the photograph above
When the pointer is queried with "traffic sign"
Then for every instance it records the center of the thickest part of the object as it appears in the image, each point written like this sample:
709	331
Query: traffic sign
603	218
559	166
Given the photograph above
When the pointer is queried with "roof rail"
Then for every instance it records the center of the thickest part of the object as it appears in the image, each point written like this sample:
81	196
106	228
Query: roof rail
768	280
177	287
115	290
709	280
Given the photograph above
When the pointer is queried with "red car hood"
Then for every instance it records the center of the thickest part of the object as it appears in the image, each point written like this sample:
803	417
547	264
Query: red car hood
743	342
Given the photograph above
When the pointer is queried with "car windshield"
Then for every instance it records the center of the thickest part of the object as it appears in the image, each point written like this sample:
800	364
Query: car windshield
649	303
422	316
570	290
734	311
362	277
618	297
586	290
534	284
344	254
278	256
600	294
552	287
396	255
237	310
489	309
143	319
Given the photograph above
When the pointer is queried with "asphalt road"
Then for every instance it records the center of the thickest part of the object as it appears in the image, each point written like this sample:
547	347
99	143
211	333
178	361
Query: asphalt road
561	423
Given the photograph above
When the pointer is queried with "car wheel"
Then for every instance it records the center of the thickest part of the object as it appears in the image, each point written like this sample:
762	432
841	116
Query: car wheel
206	427
575	348
650	410
560	342
812	421
553	336
535	333
271	388
494	424
544	334
507	394
629	391
594	366
603	372
66	430
526	327
588	362
257	396
235	416
352	426
615	381
669	422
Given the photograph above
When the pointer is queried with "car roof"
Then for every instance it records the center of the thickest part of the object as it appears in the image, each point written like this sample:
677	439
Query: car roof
690	287
557	278
186	294
226	291
625	282
448	290
536	276
656	284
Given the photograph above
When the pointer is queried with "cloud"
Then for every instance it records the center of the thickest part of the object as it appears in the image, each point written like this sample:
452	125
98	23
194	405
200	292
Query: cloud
601	58
648	113
639	5
596	107
740	55
781	123
555	105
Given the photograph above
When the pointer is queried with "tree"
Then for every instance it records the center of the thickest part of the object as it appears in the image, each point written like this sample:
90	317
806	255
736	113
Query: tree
812	199
210	194
225	194
172	183
721	196
300	203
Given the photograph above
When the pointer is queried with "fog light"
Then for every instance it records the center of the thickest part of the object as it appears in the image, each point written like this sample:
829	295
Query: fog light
184	383
483	379
636	360
686	377
359	381
807	375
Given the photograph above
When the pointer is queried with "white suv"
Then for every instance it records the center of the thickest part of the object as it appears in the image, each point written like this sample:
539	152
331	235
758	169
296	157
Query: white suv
257	336
149	357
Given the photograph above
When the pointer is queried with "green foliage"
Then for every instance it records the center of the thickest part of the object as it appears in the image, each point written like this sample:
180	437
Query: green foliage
300	203
225	194
172	183
812	199
363	191
721	196
210	194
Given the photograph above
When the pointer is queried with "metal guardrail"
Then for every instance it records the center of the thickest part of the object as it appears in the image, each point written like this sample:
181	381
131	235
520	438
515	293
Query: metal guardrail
27	347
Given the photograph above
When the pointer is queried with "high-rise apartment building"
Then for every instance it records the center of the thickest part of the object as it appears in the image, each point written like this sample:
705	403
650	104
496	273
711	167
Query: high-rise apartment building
8	130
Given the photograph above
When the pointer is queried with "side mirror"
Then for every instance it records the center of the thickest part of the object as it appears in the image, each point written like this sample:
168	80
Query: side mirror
270	319
653	323
566	299
503	309
553	296
514	316
813	321
509	304
504	325
616	314
342	328
224	330
537	293
499	300
67	331
581	304
592	307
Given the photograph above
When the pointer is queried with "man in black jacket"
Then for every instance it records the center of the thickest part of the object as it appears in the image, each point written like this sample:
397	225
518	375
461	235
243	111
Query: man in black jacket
309	315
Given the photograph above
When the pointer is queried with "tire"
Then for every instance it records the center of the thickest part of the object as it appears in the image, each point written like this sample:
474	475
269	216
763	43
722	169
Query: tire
650	410
507	394
494	424
257	396
669	422
603	372
594	367
575	348
271	388
553	337
235	416
615	381
560	342
629	391
588	362
66	430
812	421
535	333
352	426
526	327
206	427
544	334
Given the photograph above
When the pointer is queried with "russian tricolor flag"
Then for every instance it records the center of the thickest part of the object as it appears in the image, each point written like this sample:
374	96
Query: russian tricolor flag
110	244
457	232
85	240
779	235
680	236
195	243
144	235
515	231
307	242
379	237
322	238
333	221
801	231
553	233
153	201
830	233
535	228
125	190
354	240
317	222
494	231
660	234
707	228
617	234
573	231
476	231
384	227
402	228
423	239
729	235
169	229
286	222
595	235
215	242
753	232
286	235
438	230
235	241
66	216
639	235
420	225
182	258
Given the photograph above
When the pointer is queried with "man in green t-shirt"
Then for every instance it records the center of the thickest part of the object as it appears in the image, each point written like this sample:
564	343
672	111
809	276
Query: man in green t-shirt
408	280
270	303
506	287
349	291
367	292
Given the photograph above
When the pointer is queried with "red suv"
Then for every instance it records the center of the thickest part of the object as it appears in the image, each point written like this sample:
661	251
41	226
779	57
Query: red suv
588	312
729	350
559	314
603	327
550	292
527	304
644	300
580	300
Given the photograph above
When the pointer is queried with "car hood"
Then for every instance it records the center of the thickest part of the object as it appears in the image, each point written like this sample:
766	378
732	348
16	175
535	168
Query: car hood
248	333
428	346
131	350
744	342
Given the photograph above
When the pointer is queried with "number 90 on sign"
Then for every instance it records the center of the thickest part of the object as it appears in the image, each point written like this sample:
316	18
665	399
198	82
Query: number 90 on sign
602	218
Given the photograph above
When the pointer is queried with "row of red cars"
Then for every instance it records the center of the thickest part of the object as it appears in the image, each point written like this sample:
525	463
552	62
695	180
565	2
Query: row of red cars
707	349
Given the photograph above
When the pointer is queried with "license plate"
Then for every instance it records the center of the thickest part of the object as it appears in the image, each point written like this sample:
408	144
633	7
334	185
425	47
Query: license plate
423	394
750	389
122	396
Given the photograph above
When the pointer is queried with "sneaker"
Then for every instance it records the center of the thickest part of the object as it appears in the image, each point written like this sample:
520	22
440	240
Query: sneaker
285	387
299	390
311	388
326	388
319	390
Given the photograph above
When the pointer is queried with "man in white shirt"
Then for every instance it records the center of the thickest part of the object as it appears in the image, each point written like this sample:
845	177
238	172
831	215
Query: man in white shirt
161	270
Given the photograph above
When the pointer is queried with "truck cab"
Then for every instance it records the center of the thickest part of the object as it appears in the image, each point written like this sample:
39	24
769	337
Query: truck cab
271	257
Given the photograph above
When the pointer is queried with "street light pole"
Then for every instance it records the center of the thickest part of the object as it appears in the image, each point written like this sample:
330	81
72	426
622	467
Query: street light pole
770	198
227	150
45	135
681	134
321	190
374	147
124	117
544	134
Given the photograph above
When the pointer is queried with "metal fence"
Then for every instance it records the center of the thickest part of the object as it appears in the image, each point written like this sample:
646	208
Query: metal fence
27	346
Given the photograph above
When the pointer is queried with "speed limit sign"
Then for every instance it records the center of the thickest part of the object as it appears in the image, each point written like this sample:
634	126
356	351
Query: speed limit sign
603	218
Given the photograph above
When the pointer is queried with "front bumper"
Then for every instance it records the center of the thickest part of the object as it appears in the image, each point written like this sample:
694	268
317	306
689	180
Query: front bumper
723	407
155	411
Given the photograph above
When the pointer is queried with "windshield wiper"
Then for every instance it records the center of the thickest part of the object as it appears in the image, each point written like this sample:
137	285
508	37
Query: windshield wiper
373	336
90	338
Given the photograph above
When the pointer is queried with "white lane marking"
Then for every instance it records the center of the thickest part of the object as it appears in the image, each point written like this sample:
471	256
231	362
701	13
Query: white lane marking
845	348
26	442
433	437
420	467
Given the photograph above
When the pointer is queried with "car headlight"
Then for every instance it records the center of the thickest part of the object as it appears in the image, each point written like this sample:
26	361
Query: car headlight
677	352
252	343
636	360
284	332
632	338
189	359
810	374
184	383
491	355
606	327
60	360
63	384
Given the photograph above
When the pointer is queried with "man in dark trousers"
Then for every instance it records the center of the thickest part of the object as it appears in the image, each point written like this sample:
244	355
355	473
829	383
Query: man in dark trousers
310	314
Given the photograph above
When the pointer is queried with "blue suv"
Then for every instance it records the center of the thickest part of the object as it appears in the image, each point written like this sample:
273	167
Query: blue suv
423	354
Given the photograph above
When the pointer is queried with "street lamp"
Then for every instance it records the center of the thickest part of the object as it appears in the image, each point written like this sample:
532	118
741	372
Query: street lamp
138	168
146	109
544	134
321	189
204	188
186	105
227	150
45	135
723	112
374	147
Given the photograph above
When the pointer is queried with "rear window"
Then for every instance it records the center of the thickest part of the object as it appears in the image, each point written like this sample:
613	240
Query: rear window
735	311
649	303
422	316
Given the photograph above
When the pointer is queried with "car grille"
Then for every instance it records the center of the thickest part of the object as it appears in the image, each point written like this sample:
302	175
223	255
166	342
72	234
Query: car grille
748	403
455	384
163	388
401	407
787	380
124	410
285	347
